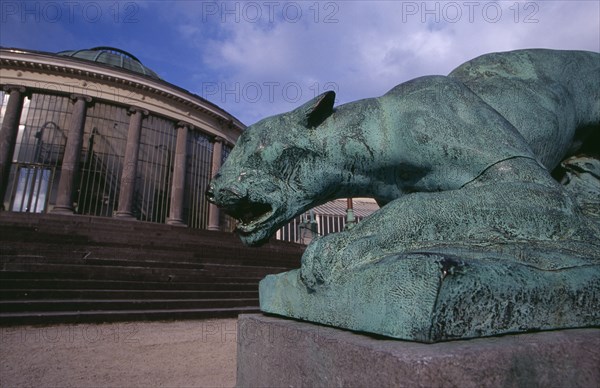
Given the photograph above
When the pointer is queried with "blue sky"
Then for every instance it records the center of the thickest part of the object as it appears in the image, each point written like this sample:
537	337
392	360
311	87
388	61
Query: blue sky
259	58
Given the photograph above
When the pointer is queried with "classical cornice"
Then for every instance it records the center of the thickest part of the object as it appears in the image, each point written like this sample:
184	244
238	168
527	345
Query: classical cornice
92	71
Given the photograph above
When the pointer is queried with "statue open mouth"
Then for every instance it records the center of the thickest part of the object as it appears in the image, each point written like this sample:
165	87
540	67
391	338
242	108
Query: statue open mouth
250	215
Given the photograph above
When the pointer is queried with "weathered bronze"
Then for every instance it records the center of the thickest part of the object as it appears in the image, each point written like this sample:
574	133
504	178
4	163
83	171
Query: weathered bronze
475	237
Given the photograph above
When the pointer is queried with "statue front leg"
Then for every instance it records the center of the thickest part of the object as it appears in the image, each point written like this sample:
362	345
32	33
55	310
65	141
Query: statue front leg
400	226
482	215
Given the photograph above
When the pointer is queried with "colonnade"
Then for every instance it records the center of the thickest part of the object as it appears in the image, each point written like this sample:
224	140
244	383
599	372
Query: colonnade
71	159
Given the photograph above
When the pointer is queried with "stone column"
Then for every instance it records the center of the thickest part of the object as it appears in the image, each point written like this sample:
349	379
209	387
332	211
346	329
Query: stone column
178	185
70	164
127	189
8	134
213	210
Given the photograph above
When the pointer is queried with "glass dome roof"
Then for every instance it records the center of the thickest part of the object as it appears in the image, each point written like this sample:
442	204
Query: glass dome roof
113	57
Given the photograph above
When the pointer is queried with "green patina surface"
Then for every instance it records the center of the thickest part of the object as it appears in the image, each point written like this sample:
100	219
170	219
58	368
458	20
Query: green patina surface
474	237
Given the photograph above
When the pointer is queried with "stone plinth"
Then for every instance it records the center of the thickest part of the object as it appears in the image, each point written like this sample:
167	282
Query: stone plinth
281	352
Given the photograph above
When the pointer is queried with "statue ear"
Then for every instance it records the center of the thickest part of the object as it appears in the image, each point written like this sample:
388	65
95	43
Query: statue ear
318	109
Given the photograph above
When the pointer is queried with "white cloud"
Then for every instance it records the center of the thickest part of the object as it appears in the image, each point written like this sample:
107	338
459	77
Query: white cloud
293	50
369	46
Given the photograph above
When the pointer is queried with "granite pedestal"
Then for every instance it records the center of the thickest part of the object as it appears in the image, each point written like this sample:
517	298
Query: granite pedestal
280	352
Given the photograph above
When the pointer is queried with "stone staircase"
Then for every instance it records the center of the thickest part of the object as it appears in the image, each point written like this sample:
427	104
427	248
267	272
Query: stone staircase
91	269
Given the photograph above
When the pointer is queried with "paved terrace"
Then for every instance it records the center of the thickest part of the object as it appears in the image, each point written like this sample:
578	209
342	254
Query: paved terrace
193	353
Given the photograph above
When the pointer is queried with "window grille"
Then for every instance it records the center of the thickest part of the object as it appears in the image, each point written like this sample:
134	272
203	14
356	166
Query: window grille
103	150
154	170
38	154
198	174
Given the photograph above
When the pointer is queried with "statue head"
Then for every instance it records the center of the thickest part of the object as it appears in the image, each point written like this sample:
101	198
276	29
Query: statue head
275	171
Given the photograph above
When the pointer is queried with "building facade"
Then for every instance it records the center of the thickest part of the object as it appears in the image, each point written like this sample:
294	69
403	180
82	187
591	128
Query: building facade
95	132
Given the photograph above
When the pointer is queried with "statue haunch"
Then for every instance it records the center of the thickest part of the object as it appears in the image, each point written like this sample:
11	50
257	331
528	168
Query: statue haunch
460	161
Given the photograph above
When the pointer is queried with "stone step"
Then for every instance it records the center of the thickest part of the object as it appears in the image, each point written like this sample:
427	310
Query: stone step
49	293
58	253
31	234
8	283
57	269
40	305
31	318
143	271
209	268
110	231
64	271
84	258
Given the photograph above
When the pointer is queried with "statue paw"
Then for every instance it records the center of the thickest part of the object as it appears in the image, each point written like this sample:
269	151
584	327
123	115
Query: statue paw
314	271
328	258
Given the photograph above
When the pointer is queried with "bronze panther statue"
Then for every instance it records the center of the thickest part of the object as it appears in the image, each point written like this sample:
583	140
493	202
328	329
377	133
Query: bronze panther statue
461	165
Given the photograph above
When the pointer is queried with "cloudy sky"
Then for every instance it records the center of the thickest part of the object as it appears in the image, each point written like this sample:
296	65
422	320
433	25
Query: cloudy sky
259	58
